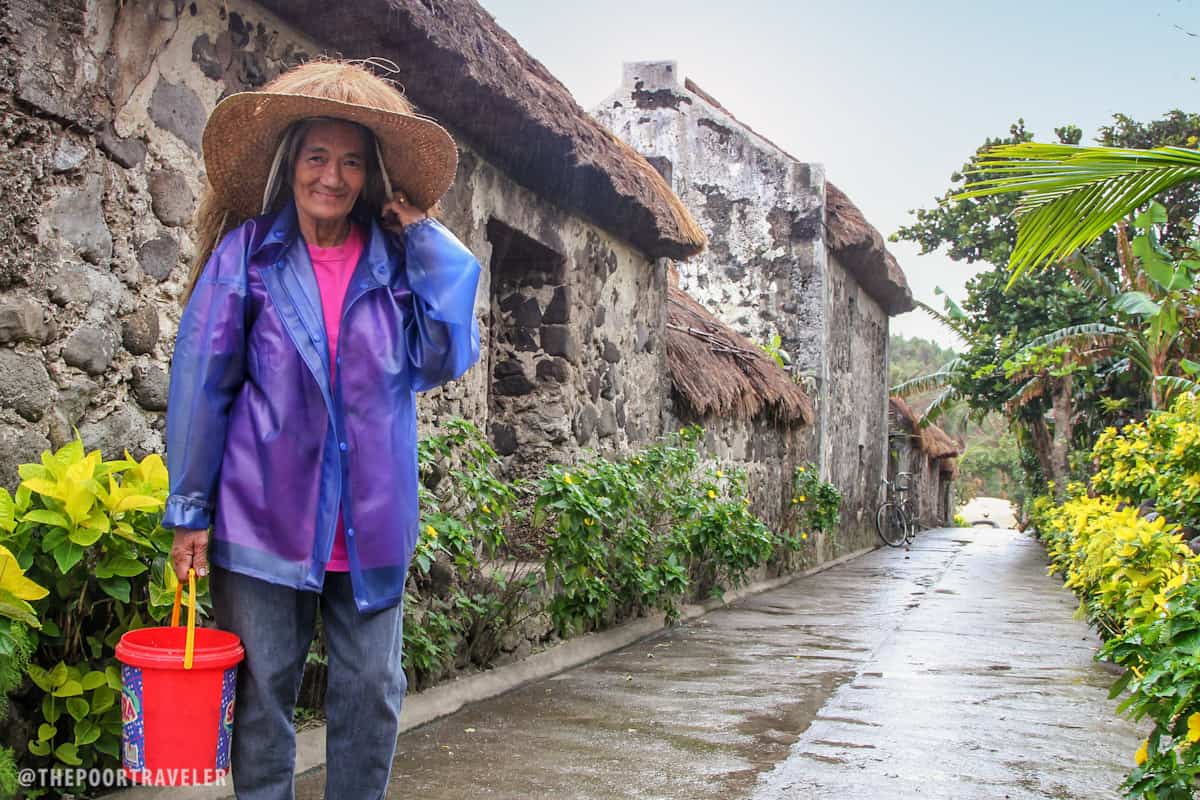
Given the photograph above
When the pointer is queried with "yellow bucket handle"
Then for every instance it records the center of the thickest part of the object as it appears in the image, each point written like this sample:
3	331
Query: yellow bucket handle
190	645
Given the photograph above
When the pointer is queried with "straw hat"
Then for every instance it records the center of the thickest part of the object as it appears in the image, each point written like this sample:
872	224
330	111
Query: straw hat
244	131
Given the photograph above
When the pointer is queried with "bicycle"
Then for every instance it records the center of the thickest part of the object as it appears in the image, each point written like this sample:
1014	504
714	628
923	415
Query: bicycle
895	519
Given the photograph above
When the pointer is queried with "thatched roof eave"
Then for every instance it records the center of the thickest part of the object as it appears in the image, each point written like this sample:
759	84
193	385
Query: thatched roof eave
462	68
861	249
719	372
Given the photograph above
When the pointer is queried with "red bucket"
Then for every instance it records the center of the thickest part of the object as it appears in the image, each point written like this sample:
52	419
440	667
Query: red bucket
177	700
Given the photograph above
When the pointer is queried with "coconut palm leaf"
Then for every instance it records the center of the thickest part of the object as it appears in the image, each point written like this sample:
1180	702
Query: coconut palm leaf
1071	195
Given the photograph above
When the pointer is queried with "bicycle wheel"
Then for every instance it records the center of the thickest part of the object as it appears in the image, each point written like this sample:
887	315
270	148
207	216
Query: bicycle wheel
891	524
913	524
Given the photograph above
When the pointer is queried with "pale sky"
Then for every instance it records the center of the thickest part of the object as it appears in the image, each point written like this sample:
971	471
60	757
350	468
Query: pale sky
891	97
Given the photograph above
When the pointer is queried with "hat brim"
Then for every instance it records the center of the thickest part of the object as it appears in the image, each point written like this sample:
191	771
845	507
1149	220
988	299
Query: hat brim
244	129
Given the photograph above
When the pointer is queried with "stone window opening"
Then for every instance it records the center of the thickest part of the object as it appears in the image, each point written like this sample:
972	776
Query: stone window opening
533	353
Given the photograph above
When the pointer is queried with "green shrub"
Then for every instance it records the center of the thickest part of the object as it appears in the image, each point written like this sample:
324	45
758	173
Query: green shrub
89	531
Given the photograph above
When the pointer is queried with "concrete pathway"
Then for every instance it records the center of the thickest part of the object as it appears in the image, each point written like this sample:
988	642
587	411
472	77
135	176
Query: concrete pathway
951	671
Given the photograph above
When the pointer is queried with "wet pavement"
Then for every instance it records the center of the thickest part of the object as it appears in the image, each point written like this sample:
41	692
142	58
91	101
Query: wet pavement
951	671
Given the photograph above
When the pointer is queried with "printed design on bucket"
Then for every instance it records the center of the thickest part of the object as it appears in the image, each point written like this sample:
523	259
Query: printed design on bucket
225	733
133	732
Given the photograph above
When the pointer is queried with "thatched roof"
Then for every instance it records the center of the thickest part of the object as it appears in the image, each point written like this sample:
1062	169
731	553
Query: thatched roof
903	413
720	372
461	67
930	439
860	247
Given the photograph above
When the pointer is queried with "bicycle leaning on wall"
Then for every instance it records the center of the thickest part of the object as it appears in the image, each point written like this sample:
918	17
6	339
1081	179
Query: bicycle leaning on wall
896	518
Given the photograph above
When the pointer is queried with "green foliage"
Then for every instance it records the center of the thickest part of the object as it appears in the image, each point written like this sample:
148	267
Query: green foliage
1138	583
466	509
1162	680
89	531
816	504
637	534
1156	461
774	349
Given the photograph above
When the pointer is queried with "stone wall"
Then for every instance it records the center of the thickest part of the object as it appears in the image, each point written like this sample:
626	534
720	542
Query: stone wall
574	320
856	426
102	105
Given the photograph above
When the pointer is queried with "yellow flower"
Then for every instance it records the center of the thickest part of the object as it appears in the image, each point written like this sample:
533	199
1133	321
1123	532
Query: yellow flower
712	495
567	478
1141	755
795	500
431	531
1192	140
588	522
799	469
803	498
1193	734
804	536
486	509
720	474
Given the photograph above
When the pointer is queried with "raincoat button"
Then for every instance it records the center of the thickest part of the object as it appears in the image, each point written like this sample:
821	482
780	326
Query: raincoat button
363	284
349	531
339	360
342	447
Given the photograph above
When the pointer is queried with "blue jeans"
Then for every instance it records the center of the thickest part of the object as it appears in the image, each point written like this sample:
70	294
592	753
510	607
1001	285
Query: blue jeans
362	701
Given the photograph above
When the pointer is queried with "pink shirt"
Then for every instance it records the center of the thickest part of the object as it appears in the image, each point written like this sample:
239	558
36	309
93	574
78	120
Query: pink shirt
333	267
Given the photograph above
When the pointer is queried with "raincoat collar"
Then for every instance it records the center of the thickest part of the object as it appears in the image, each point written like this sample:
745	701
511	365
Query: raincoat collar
283	229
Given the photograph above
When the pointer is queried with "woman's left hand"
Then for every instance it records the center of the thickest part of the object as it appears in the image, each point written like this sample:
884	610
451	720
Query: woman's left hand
399	213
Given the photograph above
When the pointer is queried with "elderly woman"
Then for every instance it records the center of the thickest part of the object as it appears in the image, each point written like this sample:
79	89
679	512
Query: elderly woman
291	425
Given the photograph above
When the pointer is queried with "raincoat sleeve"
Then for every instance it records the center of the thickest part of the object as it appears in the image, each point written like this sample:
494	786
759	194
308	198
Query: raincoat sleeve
443	333
207	371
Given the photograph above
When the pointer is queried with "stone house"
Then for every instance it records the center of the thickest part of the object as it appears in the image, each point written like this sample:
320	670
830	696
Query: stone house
103	105
929	456
789	255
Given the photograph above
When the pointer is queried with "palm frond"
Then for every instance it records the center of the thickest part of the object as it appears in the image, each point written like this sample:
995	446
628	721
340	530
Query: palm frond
1071	195
929	381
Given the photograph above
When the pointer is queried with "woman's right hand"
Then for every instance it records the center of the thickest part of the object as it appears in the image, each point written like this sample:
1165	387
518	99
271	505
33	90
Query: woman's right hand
190	551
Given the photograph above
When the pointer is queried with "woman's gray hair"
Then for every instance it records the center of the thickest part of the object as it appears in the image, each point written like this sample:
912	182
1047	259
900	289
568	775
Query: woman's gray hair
376	192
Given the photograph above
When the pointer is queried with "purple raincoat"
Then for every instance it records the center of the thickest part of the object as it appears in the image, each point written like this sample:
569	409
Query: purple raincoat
264	449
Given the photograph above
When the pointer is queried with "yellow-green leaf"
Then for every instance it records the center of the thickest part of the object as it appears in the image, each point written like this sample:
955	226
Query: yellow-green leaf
137	502
85	537
13	580
98	521
93	680
70	688
46	517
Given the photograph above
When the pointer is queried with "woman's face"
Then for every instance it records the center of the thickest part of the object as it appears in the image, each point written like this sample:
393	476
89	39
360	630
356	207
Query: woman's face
331	169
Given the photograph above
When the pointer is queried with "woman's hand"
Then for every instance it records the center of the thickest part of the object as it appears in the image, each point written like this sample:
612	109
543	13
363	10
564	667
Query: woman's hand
399	213
190	551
